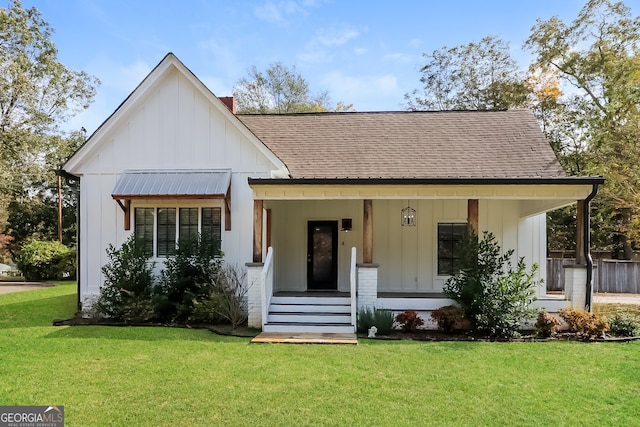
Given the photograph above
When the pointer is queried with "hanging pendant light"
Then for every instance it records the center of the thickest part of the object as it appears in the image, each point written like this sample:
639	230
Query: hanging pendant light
408	216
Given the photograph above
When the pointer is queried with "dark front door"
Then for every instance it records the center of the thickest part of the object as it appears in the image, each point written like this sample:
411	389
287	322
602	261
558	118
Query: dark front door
322	255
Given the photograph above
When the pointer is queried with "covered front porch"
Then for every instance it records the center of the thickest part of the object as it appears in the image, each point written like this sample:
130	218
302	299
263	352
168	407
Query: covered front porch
323	251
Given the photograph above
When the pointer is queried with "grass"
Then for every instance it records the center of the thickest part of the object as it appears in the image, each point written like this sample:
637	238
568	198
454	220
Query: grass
125	376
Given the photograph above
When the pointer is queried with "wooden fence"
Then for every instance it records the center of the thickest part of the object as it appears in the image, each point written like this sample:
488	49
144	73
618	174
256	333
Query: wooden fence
609	275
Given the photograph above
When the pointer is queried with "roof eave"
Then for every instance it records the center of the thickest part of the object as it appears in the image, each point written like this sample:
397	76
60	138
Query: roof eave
573	180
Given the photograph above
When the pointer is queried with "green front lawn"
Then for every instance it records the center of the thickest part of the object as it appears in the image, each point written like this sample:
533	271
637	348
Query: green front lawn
128	376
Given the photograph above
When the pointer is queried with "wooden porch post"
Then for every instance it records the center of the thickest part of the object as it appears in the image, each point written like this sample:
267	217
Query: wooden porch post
367	233
268	211
257	230
472	215
580	237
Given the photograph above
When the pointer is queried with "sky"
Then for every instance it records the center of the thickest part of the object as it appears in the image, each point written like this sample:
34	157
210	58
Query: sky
362	52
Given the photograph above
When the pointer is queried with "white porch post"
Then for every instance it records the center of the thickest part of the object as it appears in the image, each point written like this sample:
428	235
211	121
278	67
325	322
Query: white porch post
367	271
575	290
254	294
367	285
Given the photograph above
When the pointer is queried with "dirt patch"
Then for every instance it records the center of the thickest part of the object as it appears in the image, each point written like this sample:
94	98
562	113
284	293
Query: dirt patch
10	287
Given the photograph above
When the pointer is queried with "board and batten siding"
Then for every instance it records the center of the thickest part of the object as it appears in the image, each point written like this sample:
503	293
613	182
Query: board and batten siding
407	255
173	126
289	221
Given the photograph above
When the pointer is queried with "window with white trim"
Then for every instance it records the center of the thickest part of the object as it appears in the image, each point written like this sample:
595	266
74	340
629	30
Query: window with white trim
161	229
450	240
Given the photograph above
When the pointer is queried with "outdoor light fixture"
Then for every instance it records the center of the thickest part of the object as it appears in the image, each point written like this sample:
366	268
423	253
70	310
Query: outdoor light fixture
408	216
347	224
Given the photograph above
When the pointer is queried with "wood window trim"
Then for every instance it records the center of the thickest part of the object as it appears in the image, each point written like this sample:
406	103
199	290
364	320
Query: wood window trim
124	201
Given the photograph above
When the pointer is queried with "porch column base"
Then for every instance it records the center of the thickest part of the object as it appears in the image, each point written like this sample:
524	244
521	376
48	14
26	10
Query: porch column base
367	285
254	295
575	285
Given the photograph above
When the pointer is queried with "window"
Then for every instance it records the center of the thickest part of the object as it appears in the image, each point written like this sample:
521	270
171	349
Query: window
211	226
144	228
166	240
450	237
173	224
188	224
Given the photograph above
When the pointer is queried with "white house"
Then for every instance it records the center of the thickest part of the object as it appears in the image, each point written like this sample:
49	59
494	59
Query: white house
328	211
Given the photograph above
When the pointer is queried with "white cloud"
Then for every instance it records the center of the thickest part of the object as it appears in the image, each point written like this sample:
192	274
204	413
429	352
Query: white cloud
222	56
360	51
400	57
366	93
320	48
279	12
335	36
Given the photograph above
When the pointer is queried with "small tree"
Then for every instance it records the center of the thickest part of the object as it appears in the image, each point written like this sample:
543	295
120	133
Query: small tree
230	291
494	296
128	283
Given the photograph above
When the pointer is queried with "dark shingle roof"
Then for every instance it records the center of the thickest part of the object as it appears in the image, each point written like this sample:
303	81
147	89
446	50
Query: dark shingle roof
451	144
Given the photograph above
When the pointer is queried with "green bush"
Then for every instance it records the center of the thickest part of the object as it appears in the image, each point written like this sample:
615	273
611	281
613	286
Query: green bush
589	325
623	324
126	293
448	318
382	319
547	325
44	260
207	310
189	275
493	294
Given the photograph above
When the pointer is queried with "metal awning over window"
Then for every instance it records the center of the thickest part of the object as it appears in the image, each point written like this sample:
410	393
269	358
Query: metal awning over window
173	184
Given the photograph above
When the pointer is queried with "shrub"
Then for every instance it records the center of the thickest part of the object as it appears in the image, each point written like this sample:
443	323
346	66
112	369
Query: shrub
409	321
128	282
494	295
188	276
547	325
448	317
230	291
381	319
44	260
206	311
623	324
587	324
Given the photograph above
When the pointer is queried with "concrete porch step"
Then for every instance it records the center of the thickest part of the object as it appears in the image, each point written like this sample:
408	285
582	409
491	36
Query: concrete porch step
311	300
308	317
325	328
306	308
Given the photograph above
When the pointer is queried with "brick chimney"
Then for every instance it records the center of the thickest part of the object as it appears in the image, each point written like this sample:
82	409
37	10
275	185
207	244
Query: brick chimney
230	102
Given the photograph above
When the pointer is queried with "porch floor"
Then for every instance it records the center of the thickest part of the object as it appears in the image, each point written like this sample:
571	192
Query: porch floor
310	294
305	338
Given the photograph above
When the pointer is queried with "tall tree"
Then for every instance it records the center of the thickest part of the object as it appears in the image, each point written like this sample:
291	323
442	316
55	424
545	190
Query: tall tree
37	94
279	90
476	76
598	56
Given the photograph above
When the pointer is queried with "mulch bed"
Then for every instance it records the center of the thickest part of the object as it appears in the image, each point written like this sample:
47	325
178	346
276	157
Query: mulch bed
435	335
242	331
421	335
